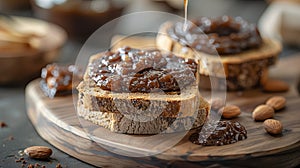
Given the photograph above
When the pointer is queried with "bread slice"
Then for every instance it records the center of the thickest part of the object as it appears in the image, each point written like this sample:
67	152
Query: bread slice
167	104
141	113
242	71
119	123
144	104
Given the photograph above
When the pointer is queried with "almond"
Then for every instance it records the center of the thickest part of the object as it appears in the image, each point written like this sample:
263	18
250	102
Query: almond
38	152
273	85
230	111
273	126
217	103
262	112
276	102
2	124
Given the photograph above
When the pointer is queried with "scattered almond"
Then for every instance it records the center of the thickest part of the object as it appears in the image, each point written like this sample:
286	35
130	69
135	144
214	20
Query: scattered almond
10	138
273	85
38	152
58	166
30	166
37	165
264	76
2	124
262	112
273	126
217	103
230	111
276	102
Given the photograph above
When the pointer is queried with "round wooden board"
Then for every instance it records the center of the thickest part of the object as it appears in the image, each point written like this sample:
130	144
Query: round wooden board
56	121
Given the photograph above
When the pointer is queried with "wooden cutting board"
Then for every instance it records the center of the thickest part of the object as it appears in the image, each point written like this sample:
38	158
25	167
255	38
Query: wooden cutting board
57	122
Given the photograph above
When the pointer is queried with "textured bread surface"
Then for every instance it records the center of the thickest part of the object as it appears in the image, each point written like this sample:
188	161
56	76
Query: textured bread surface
242	71
164	104
120	123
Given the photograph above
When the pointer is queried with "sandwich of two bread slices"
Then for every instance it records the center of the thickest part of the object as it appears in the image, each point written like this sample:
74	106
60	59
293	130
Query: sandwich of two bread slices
142	92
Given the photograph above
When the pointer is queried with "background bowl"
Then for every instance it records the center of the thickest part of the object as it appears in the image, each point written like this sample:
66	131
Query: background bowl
20	63
79	18
9	5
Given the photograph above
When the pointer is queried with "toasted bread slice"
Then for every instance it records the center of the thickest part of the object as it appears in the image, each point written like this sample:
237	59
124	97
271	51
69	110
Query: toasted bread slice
171	104
120	123
242	71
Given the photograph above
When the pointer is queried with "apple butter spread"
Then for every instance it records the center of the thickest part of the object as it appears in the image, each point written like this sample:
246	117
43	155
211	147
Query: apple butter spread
59	80
226	132
225	34
145	71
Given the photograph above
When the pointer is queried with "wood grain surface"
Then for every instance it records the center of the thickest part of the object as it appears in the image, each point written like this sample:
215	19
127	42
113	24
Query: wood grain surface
57	122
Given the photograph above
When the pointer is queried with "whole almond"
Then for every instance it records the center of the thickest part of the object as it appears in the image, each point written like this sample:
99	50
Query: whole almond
230	111
273	85
276	102
273	126
217	103
262	112
38	152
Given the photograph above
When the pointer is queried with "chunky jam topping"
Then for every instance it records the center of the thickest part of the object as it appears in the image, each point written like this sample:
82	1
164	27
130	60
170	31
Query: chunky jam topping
226	132
134	70
60	79
220	35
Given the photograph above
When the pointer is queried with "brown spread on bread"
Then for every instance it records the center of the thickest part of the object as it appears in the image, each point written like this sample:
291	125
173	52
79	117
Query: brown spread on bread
218	35
134	70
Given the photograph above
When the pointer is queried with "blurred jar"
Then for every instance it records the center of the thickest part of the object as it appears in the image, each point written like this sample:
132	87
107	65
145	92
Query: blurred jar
11	5
80	18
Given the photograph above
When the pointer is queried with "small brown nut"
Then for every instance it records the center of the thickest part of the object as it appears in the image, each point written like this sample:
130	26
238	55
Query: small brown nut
30	166
38	152
2	124
273	126
273	85
262	112
230	111
276	102
58	166
217	103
